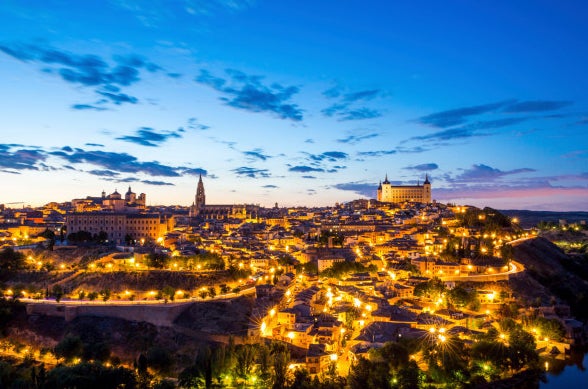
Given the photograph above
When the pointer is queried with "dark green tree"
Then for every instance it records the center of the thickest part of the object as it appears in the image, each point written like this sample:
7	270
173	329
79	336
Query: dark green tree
69	347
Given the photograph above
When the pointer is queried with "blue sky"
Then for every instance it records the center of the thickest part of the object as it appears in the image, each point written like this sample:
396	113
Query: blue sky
295	102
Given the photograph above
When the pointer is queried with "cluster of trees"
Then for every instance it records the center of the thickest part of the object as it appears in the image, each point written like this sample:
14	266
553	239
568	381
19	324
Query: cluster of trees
496	354
340	270
458	297
11	261
252	365
336	239
204	261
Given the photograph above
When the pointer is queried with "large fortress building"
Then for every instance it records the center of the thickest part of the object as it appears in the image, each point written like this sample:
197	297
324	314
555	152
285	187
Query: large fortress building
389	193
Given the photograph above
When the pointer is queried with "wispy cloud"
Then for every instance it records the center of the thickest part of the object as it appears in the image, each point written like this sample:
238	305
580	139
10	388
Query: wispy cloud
376	153
195	172
423	167
18	157
344	108
157	183
305	169
118	162
355	139
536	106
86	70
157	12
458	116
485	173
247	92
360	188
331	156
194	124
256	154
103	173
251	172
146	136
87	107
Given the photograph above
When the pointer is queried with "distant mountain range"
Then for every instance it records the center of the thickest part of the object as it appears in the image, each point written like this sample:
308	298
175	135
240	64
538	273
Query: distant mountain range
529	219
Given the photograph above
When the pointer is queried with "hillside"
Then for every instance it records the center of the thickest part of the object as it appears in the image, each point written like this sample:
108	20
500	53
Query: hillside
528	219
549	271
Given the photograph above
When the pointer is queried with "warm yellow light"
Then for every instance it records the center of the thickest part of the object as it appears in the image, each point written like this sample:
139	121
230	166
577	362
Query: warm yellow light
291	335
356	302
442	338
62	266
432	330
272	312
333	357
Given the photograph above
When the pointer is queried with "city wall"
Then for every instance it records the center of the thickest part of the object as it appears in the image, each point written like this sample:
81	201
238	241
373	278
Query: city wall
157	314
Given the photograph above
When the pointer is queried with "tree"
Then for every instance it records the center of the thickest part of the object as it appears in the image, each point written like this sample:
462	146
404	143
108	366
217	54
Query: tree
102	237
92	296
159	359
394	354
168	293
365	374
57	292
105	294
460	296
11	260
81	295
90	376
281	359
157	260
244	360
69	348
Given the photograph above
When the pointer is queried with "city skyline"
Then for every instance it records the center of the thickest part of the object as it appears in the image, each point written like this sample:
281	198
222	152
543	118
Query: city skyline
295	102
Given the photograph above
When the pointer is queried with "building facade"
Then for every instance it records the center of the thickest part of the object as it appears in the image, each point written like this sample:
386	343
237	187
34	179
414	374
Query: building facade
118	225
389	193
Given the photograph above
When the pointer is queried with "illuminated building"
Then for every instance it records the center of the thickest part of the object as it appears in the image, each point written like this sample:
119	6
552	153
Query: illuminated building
389	193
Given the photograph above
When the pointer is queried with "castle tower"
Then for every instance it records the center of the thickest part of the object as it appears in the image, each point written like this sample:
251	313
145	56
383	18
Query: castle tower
200	196
427	190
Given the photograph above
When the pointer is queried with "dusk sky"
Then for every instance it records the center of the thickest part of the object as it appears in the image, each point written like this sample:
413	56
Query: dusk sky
296	102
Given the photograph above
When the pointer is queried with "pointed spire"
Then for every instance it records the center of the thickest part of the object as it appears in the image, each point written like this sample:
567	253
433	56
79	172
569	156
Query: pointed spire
427	179
386	180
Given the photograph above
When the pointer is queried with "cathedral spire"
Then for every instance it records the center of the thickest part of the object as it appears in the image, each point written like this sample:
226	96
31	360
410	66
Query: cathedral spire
427	179
386	180
200	196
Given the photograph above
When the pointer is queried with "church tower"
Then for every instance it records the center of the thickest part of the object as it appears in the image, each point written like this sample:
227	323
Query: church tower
200	196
